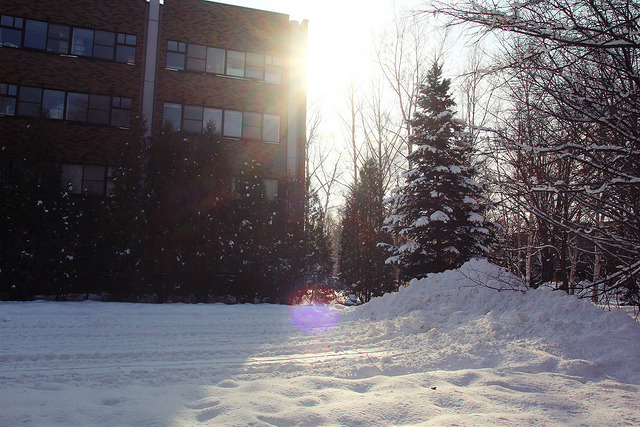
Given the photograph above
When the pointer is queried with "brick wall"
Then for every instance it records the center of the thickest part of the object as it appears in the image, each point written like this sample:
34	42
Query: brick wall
76	143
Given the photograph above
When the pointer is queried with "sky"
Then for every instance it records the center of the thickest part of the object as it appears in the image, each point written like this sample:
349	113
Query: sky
340	36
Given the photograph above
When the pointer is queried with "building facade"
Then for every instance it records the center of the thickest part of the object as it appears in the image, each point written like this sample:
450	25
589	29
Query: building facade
89	68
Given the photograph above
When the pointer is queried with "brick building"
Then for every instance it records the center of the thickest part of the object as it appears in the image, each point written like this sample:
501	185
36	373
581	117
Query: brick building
90	67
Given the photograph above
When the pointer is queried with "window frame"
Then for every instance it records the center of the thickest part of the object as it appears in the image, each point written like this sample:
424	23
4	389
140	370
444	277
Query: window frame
59	38
121	107
25	33
76	38
179	50
15	27
86	180
8	93
196	59
34	102
265	129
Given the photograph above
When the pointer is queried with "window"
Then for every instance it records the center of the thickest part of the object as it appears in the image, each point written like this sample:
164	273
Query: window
8	99
215	60
235	63
82	42
213	117
11	31
84	179
29	101
196	57
93	179
53	104
251	125
99	109
126	48
172	114
175	55
255	66
192	121
121	112
58	40
271	189
271	128
232	124
104	44
77	106
273	69
35	34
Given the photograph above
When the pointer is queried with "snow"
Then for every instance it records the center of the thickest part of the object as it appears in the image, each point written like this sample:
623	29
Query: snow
467	347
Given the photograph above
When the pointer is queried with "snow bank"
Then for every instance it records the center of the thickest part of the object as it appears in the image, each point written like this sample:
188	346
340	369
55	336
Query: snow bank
490	310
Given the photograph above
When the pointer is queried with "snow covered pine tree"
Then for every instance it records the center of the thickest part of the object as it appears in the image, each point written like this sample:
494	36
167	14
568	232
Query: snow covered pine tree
438	214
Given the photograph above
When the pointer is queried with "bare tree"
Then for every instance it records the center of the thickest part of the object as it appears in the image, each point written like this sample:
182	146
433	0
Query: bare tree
580	62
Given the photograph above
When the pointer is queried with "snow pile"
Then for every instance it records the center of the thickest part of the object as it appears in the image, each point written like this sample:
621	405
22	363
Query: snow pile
466	348
486	313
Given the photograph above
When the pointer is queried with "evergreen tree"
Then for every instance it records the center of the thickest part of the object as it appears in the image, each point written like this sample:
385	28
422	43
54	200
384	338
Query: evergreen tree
37	221
188	187
439	212
317	248
362	259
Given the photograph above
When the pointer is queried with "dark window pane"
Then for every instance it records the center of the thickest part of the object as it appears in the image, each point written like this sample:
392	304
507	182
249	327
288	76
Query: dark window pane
99	109
192	112
213	117
196	55
126	54
94	173
104	42
82	42
233	123
7	106
125	102
99	102
77	104
235	63
53	104
175	60
197	51
251	125
171	45
6	20
35	34
271	128
195	64
30	109
215	60
172	114
58	38
103	52
192	126
106	38
255	66
30	94
130	40
10	37
59	32
71	177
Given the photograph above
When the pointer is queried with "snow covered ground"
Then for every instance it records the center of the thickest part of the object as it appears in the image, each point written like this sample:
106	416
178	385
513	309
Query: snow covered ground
445	351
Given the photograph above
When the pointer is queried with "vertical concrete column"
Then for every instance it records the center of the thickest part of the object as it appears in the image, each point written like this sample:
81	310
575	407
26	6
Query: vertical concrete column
150	63
296	132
